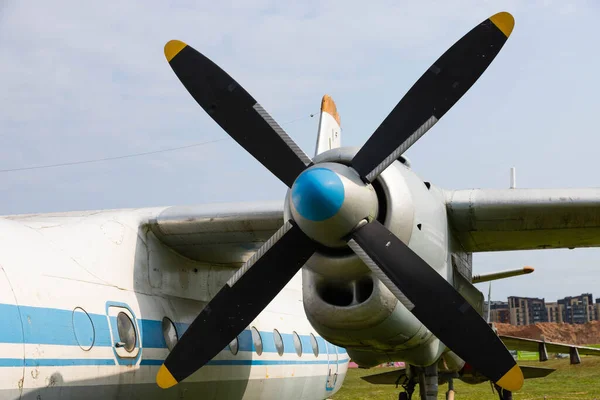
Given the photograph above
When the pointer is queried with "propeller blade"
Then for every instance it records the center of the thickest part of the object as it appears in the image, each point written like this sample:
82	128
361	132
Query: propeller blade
436	304
444	83
236	111
238	303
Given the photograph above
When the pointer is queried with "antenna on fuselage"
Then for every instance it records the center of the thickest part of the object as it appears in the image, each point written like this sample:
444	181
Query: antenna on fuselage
513	178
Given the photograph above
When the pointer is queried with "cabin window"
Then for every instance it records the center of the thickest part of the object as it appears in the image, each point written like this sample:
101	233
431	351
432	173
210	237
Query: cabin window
126	330
169	333
314	344
297	344
278	341
234	346
257	340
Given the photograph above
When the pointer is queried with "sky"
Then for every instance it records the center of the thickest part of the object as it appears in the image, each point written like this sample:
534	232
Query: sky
88	80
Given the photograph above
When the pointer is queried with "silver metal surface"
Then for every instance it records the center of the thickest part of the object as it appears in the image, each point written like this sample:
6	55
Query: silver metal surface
360	202
450	362
513	178
380	275
501	275
288	140
393	156
342	155
400	207
374	326
428	382
524	219
467	290
225	233
261	252
399	216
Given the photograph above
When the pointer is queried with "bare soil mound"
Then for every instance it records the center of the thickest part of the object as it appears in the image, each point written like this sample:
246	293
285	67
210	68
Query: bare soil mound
563	333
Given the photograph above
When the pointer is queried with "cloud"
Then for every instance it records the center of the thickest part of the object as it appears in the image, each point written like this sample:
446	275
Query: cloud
83	80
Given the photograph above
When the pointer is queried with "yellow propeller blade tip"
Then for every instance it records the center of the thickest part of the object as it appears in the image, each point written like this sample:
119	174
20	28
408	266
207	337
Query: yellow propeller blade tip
164	379
173	48
512	380
504	21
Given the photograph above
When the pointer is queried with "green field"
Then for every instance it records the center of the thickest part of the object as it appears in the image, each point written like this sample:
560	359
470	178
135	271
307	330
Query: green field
528	355
568	382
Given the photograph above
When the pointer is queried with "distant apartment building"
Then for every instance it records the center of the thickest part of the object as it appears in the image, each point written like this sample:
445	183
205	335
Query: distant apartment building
578	309
500	315
555	312
499	312
526	310
530	310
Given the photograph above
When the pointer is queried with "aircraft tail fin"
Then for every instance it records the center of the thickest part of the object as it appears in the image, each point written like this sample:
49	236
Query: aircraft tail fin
330	131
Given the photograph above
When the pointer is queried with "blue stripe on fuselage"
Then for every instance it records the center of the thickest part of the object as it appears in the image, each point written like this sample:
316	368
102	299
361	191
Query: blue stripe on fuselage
54	362
255	362
47	326
55	327
72	362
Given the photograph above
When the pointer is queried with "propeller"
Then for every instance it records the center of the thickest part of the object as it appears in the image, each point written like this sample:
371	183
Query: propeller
435	303
438	89
236	111
238	302
327	202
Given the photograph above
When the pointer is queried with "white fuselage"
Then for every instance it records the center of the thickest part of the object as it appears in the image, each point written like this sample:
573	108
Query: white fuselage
65	278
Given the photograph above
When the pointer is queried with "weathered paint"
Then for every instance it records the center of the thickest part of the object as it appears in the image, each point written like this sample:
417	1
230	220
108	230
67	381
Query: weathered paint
99	263
524	219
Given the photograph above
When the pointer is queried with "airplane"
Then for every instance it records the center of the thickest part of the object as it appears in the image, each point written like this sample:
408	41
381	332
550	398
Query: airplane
362	260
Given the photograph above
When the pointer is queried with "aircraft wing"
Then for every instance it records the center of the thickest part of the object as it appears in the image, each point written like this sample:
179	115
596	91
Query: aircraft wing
226	233
482	219
516	343
524	219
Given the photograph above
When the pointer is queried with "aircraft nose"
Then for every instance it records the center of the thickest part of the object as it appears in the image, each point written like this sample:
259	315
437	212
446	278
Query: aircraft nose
318	194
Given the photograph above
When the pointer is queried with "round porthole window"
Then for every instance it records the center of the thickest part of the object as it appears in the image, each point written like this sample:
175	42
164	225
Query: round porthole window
314	344
297	344
85	334
169	333
234	346
257	340
126	330
278	341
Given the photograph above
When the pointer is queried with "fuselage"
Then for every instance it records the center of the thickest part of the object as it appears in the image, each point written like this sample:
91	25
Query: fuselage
91	303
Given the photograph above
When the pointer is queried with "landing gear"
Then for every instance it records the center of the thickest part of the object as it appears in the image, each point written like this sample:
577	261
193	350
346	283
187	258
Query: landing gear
427	378
450	392
428	382
503	394
409	389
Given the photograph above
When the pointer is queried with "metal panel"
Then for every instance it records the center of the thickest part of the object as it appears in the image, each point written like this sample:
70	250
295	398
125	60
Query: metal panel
218	233
524	219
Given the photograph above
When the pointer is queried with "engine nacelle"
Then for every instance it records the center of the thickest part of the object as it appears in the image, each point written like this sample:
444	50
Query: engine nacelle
348	305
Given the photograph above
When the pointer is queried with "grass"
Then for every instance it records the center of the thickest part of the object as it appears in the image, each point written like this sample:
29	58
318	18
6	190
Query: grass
567	382
528	355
